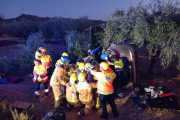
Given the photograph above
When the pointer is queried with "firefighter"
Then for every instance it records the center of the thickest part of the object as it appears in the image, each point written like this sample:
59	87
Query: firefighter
73	70
71	92
105	88
57	80
64	57
38	52
46	61
118	81
40	76
93	80
81	67
85	94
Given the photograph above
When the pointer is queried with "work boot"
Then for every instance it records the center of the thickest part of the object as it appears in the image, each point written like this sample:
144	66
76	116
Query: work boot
36	97
81	113
46	94
104	117
69	107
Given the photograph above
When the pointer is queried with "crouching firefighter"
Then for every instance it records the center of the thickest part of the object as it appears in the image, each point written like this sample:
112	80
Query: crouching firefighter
57	80
71	92
93	80
40	75
85	94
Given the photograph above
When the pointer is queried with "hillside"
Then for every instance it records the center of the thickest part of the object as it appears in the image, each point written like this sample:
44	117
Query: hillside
37	18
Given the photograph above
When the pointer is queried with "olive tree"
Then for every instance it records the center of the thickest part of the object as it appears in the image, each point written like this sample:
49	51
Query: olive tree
156	25
77	45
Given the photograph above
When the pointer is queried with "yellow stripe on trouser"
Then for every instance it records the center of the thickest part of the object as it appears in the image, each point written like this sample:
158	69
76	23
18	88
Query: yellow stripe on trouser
73	99
97	102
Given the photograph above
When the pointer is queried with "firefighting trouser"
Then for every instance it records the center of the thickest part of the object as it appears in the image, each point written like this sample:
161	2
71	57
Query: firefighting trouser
88	107
96	98
57	95
37	87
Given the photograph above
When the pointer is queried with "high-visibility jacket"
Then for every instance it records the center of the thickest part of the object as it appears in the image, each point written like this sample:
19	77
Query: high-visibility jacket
105	80
46	61
72	94
37	55
58	77
40	70
118	65
85	91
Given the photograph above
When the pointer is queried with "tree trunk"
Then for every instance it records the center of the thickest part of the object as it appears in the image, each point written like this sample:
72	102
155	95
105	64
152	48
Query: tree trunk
149	74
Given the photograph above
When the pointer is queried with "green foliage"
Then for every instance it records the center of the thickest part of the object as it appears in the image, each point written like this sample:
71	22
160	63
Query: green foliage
55	28
82	23
157	24
22	62
22	28
77	45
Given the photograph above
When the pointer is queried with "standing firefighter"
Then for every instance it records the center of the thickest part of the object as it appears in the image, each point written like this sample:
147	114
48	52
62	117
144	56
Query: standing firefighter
40	76
64	59
85	94
71	92
46	61
57	80
105	88
118	81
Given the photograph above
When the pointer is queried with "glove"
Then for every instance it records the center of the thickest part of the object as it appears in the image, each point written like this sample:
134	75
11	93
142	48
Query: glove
36	76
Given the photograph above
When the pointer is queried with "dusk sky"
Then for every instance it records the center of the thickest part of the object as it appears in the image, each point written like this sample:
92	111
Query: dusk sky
94	9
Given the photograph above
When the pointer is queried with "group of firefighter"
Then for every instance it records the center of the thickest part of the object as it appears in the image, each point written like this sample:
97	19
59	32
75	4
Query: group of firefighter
85	83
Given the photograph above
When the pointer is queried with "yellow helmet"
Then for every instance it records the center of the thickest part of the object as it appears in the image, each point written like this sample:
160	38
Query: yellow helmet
43	50
40	79
65	54
87	66
73	79
82	77
81	66
104	66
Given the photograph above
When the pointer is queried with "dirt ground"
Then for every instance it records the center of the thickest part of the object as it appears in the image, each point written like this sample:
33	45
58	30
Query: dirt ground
24	91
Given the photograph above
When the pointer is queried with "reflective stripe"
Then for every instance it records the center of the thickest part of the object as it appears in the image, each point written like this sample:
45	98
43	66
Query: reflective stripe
72	100
105	82
55	82
45	61
105	92
42	73
45	78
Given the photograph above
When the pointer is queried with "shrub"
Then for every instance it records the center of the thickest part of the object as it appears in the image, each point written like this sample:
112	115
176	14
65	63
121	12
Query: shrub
77	45
20	116
22	28
55	28
22	62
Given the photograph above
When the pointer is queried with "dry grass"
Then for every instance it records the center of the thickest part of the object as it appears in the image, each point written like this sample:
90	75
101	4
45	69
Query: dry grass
7	114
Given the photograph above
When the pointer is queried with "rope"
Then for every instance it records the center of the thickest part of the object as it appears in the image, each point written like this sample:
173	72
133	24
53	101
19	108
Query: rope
146	57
